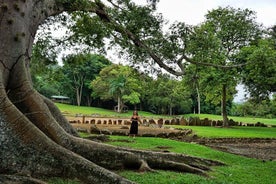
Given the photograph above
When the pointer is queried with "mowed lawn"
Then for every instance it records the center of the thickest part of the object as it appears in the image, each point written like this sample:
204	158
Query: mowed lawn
237	169
231	132
203	131
235	118
73	110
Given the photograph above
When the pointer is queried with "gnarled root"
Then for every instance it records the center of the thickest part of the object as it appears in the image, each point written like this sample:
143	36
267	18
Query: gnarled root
39	124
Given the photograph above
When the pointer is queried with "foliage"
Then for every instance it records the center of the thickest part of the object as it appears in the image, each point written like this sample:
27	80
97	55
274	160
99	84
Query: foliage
137	30
79	70
216	42
259	75
264	108
118	82
168	96
45	71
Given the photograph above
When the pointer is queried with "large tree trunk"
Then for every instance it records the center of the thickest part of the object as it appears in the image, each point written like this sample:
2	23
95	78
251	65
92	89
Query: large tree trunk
223	106
36	140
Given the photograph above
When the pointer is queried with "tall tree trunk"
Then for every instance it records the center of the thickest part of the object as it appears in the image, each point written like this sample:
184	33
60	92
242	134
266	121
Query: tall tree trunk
223	105
119	104
78	82
36	140
88	100
171	110
198	99
78	96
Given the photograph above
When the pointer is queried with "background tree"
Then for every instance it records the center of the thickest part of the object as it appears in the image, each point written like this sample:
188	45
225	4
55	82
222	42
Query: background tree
117	88
118	82
217	41
191	80
45	72
168	96
259	75
80	70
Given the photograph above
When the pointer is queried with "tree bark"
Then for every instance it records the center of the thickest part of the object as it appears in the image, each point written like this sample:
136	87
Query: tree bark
223	106
36	140
119	104
198	99
78	85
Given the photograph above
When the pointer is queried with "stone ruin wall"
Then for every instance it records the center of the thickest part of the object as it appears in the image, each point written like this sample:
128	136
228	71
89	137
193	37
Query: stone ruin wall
192	121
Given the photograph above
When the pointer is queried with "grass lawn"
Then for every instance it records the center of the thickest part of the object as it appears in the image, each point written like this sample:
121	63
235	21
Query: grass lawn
235	118
232	132
238	169
72	110
248	132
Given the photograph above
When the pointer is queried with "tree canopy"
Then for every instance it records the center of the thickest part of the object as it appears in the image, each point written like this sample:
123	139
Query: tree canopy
118	82
79	70
259	74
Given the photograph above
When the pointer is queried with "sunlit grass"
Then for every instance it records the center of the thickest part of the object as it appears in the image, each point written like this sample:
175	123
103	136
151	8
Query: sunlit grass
71	110
231	132
238	169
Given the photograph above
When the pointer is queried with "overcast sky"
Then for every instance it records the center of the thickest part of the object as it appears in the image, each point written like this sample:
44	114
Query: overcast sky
193	11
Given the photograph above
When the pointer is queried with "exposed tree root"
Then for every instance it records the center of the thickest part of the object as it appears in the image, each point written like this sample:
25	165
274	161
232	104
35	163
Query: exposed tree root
38	123
15	179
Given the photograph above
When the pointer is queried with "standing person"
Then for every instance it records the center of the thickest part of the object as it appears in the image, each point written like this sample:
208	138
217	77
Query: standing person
134	124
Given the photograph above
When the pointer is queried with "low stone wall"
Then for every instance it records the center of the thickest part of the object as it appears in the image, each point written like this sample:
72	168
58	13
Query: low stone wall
158	123
143	131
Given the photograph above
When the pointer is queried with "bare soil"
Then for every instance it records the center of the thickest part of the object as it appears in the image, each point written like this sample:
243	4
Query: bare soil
264	149
259	148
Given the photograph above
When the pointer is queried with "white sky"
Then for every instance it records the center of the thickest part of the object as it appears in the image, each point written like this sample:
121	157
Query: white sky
193	11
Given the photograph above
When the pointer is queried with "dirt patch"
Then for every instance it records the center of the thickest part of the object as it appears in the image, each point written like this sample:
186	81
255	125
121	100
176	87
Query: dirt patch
146	131
264	149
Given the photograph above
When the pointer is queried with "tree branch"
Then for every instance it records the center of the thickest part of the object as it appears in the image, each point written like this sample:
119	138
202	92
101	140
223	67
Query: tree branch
211	64
100	9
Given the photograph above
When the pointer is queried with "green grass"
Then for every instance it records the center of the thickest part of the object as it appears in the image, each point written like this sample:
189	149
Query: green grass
231	132
235	118
238	169
237	132
71	110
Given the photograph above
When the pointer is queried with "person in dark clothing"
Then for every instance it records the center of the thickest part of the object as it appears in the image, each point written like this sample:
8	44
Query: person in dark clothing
134	124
